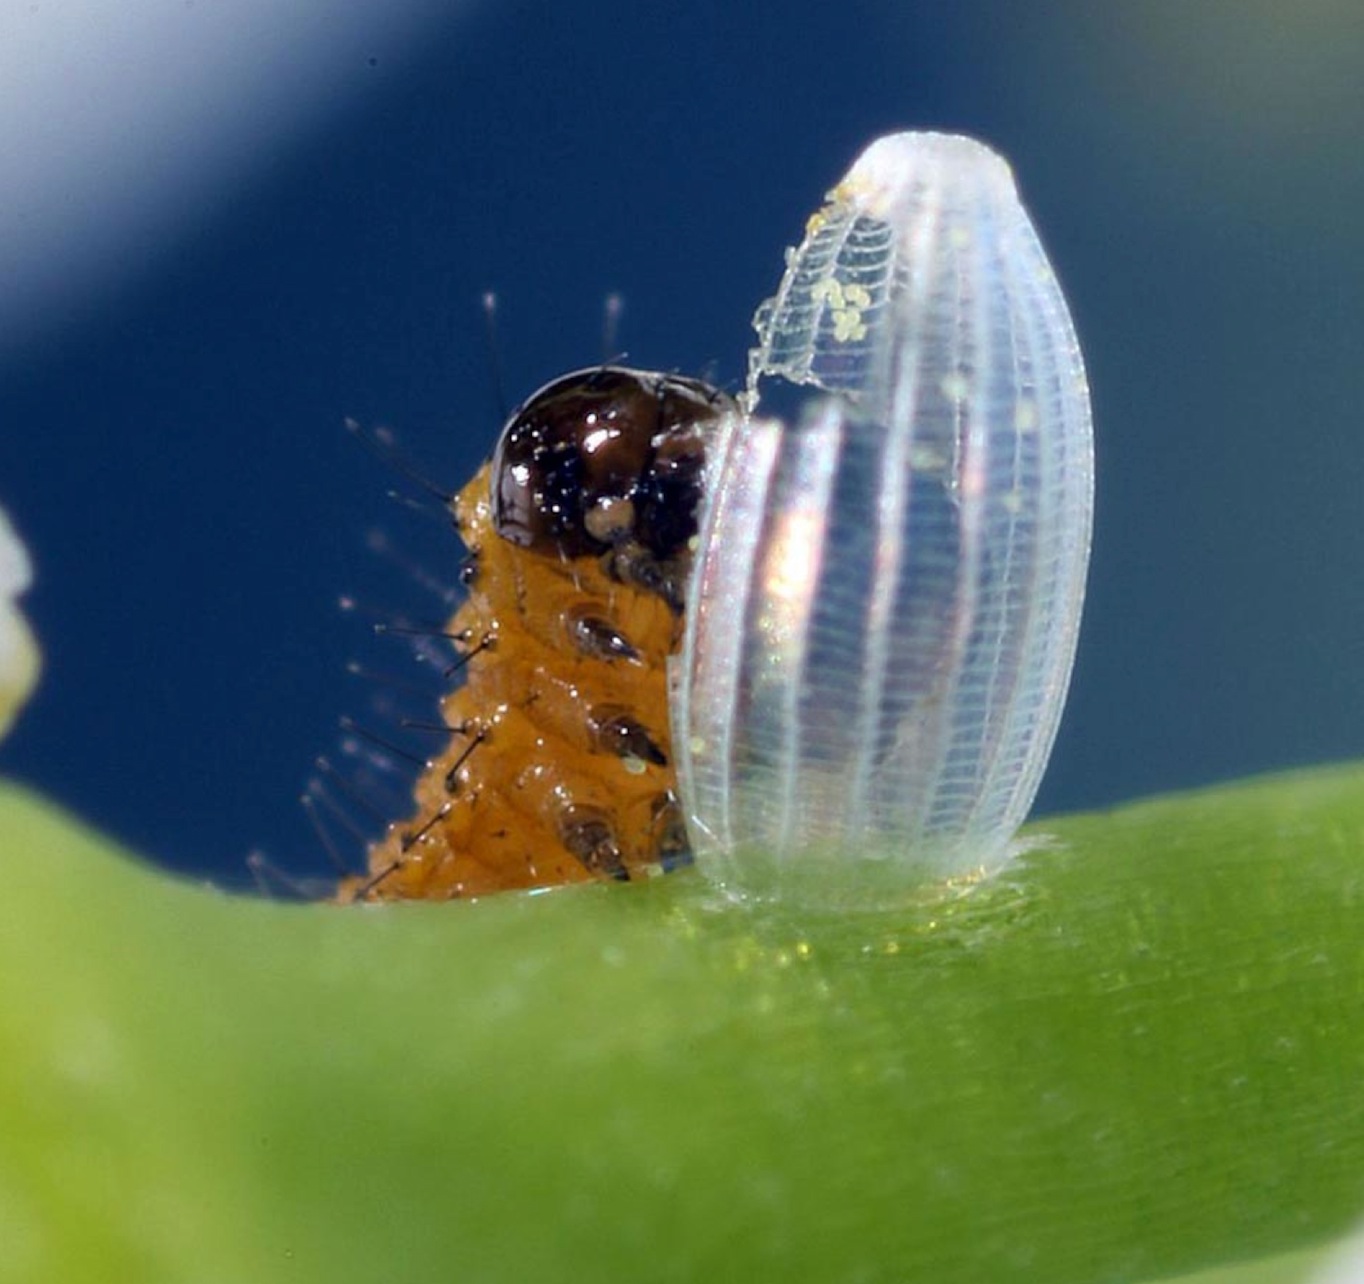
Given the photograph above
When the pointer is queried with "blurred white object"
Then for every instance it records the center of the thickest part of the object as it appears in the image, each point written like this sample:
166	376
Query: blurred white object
888	586
19	661
1346	1265
119	120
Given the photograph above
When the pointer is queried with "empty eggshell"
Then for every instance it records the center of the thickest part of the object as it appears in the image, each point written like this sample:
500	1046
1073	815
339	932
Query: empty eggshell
887	589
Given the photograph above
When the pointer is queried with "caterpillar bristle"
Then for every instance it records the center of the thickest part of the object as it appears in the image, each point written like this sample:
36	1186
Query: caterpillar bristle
420	505
452	774
411	838
379	544
271	879
352	791
486	643
496	383
418	724
349	724
381	443
385	681
404	629
613	307
314	800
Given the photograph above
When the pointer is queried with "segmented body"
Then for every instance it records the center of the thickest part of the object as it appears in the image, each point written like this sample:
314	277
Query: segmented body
580	531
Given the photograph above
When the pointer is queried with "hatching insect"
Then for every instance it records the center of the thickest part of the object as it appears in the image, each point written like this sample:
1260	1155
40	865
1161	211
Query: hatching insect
877	631
559	767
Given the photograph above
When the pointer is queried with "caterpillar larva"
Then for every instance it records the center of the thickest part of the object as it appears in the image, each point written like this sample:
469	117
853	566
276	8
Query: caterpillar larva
887	592
559	767
882	612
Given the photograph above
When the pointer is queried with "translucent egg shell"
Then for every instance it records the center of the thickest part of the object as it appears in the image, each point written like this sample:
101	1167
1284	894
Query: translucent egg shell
887	589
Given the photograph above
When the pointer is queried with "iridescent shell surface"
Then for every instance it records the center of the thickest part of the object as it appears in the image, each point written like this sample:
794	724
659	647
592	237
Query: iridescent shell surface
887	590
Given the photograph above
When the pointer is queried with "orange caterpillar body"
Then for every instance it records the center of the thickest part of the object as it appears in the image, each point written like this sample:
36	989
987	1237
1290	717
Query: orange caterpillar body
559	767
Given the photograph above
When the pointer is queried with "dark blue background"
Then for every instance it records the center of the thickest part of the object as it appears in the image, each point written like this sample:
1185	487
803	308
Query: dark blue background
174	457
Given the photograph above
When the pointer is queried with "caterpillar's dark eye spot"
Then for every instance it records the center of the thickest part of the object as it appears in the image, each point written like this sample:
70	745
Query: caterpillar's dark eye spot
592	635
588	835
615	731
670	832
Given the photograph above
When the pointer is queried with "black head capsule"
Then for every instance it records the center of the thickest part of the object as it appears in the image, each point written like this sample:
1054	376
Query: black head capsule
609	463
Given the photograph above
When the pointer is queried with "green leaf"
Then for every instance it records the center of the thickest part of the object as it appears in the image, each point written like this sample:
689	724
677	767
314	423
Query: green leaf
1136	1054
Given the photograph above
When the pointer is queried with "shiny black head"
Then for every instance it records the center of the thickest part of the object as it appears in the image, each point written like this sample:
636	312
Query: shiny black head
607	462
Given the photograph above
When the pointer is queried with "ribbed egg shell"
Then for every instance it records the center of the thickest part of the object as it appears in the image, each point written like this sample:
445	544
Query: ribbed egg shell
890	572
